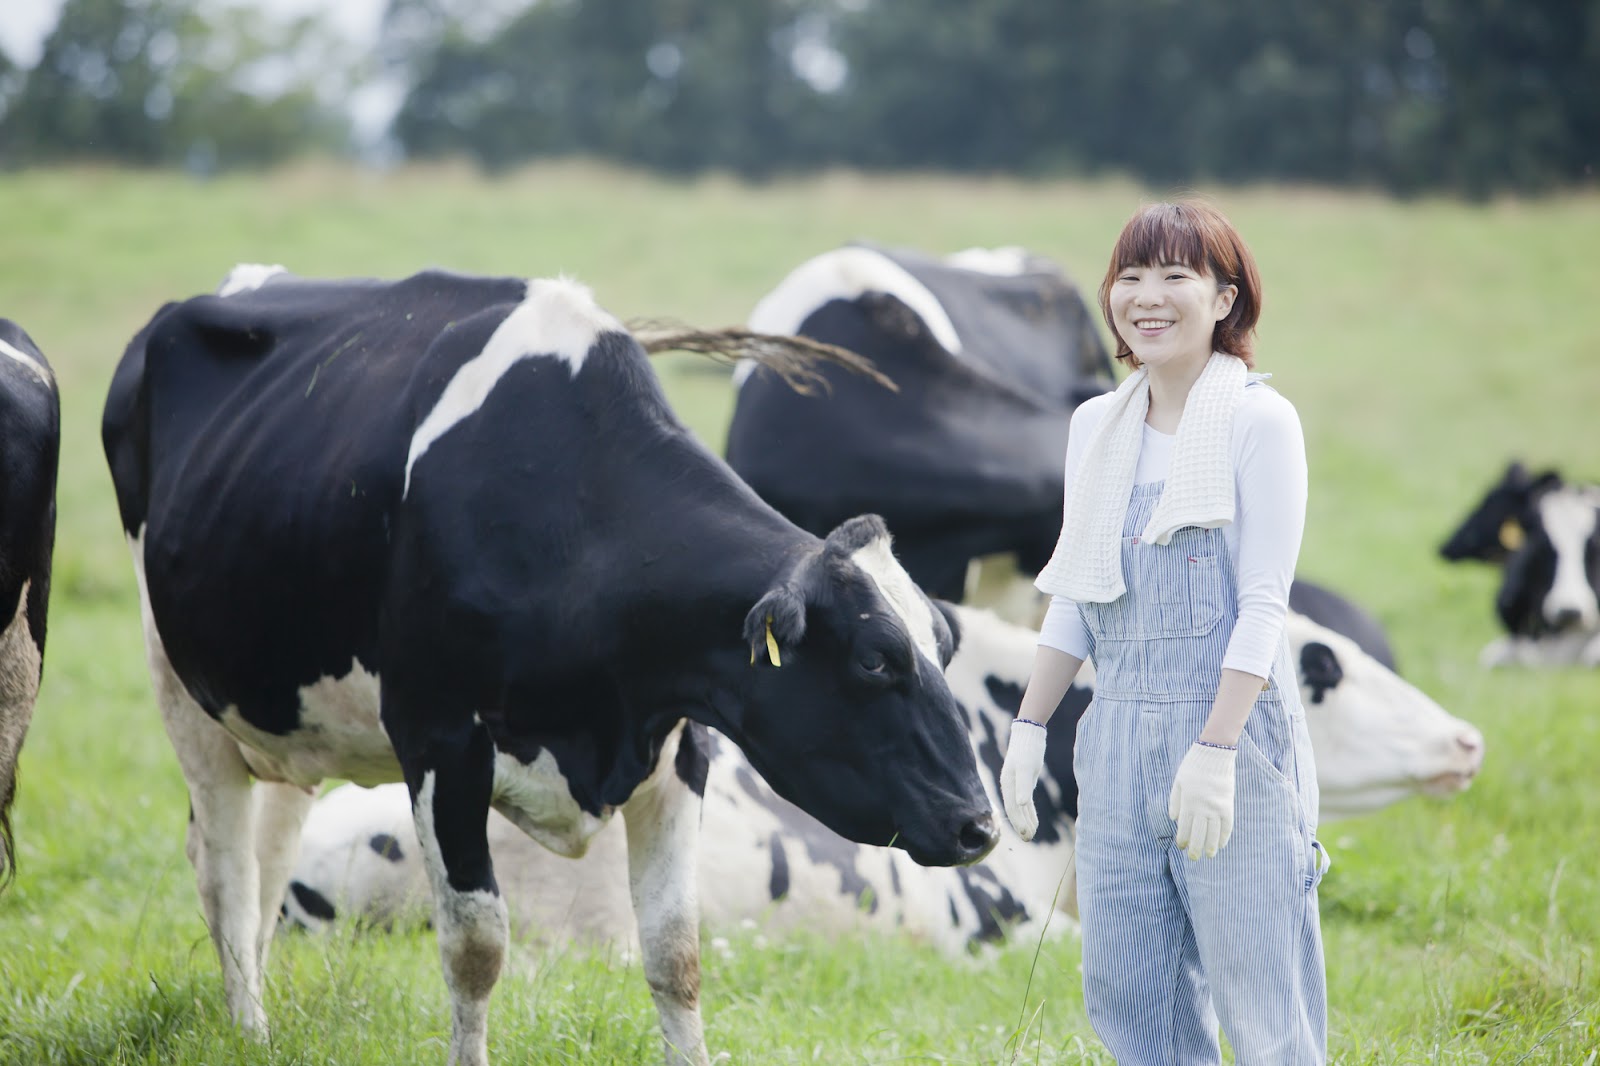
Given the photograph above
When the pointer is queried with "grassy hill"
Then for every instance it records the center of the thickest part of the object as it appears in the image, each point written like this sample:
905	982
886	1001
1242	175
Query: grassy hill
1425	343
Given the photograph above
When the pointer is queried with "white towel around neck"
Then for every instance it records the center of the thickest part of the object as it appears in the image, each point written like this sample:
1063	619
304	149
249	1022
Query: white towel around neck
1199	489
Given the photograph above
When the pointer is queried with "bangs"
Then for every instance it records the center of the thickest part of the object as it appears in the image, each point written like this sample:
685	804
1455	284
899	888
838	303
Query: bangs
1160	235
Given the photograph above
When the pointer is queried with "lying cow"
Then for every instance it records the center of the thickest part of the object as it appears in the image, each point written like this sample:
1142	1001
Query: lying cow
447	530
1377	738
30	442
1543	532
991	353
1549	598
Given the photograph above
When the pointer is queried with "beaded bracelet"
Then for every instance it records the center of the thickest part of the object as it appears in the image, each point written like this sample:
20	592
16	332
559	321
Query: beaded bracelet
1219	747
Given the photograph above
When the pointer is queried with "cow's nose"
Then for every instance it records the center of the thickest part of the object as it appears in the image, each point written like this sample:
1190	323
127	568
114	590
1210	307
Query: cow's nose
978	837
1565	617
1470	741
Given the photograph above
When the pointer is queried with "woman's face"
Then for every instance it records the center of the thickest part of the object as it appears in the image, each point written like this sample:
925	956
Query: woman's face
1166	314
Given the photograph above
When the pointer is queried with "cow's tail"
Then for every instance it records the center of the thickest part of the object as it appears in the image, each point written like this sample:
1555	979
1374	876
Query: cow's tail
798	360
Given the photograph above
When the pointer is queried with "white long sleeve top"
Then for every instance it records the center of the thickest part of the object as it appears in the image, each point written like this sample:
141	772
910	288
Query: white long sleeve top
1269	462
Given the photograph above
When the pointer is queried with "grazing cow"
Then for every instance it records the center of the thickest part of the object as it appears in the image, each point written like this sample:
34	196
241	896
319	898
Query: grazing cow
447	530
1377	740
30	441
1497	526
1549	598
991	353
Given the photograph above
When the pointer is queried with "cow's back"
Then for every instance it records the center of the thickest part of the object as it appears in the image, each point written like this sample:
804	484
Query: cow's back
1028	327
258	442
964	459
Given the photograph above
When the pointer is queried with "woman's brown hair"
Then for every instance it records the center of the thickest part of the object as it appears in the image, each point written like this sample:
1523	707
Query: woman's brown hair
1194	234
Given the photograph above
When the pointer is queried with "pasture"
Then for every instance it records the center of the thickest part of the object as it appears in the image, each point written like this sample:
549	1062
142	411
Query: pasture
1424	343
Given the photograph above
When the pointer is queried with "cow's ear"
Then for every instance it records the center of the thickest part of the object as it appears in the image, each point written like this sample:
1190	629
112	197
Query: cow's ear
1515	477
947	636
853	534
1544	482
1319	669
776	623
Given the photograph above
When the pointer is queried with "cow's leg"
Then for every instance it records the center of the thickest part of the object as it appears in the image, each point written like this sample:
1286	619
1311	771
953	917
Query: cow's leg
221	837
19	686
451	781
663	822
280	813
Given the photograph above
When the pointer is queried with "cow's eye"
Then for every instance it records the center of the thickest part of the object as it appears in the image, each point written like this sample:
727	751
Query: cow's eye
874	664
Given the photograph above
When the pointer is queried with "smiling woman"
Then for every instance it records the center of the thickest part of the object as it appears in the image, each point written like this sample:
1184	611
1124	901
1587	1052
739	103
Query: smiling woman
1186	497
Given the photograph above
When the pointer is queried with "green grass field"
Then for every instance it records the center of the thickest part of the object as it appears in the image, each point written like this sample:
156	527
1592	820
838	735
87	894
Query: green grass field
1424	343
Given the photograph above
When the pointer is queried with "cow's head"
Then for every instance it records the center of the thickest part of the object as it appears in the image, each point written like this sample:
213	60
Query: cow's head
1497	526
1377	737
359	858
1550	582
845	710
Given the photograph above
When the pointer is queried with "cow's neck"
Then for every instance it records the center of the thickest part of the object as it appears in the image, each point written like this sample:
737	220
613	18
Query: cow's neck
687	654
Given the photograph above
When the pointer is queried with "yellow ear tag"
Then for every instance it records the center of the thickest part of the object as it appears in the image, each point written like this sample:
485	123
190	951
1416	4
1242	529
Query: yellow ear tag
1511	535
772	644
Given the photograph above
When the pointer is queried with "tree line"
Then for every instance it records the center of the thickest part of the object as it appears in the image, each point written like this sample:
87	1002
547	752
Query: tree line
1465	96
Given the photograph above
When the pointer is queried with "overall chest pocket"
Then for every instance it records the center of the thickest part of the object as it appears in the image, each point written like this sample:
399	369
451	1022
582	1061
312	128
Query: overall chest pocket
1178	589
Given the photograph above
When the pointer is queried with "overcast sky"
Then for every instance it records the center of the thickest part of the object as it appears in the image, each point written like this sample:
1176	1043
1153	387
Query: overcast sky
24	24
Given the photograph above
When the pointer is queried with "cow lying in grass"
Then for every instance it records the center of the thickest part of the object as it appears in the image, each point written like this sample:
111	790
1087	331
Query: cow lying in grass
1378	739
1545	534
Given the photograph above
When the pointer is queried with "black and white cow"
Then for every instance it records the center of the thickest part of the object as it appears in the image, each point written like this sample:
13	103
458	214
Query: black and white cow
1377	740
1549	598
991	352
30	443
447	530
1542	530
1498	525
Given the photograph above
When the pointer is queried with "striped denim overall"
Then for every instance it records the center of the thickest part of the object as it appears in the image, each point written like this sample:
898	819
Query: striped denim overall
1171	945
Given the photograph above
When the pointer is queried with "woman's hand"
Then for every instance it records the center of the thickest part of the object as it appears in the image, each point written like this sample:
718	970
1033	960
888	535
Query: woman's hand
1202	800
1019	775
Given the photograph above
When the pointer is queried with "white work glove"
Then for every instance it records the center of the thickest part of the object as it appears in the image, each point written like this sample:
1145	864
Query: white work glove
1020	774
1202	800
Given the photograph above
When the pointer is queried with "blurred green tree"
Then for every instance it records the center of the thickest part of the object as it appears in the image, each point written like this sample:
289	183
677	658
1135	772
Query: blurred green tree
1471	96
676	85
152	82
